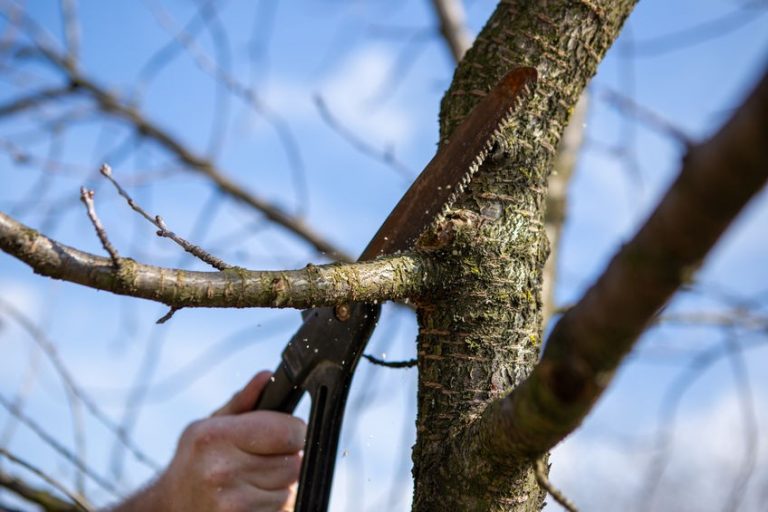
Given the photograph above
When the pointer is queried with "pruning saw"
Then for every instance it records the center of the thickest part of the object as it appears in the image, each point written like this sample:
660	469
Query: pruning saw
321	357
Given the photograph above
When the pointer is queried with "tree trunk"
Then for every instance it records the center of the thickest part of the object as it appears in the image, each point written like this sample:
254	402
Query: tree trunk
480	333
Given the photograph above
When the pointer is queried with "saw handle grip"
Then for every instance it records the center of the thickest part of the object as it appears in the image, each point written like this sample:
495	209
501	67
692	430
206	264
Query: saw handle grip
320	360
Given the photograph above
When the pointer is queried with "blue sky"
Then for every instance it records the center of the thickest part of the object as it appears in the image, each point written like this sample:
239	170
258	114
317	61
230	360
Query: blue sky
340	50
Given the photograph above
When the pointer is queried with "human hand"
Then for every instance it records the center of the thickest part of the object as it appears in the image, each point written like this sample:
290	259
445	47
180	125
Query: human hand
236	460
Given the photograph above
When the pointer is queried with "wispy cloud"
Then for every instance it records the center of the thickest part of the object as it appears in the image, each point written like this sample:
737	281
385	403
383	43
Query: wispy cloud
348	90
705	462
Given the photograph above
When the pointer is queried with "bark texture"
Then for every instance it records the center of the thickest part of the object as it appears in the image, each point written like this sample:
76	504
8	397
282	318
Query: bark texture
480	333
717	180
385	278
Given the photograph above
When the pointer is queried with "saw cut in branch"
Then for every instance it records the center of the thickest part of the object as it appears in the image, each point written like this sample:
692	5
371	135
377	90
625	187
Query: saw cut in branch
717	180
396	277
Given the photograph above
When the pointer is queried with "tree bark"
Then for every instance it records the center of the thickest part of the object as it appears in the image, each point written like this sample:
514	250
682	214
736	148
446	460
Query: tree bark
480	333
392	277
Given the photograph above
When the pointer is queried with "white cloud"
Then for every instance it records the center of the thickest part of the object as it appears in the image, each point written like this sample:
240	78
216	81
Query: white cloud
704	463
348	91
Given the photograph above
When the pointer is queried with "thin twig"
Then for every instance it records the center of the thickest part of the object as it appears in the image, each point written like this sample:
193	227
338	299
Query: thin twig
386	157
450	14
541	470
35	99
50	351
410	363
702	32
109	103
86	196
246	94
643	114
171	311
750	432
71	30
26	492
57	446
163	230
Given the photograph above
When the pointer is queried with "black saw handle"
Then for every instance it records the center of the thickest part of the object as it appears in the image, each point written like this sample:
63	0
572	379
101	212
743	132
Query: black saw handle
320	360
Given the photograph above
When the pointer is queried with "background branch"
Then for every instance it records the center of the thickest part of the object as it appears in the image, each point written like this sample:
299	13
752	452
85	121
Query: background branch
717	180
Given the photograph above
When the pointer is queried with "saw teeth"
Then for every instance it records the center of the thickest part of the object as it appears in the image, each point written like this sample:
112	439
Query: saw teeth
474	166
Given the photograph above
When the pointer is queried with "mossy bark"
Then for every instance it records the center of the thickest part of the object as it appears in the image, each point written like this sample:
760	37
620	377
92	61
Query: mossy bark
480	332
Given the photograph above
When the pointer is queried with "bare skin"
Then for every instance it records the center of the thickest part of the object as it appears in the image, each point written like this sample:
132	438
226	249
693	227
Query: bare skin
236	460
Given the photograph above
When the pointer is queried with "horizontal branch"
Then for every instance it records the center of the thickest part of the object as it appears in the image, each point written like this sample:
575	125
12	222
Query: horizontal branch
717	180
394	278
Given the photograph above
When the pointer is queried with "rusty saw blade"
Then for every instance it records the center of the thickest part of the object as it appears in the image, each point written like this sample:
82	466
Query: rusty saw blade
451	169
321	357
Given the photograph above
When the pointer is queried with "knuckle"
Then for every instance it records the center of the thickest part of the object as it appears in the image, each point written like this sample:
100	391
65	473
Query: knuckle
201	434
217	474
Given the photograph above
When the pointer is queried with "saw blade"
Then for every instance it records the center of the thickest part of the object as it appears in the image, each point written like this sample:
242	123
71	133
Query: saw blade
451	169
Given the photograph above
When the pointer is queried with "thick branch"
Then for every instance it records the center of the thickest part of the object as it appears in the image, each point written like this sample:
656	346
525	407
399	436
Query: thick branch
717	180
386	278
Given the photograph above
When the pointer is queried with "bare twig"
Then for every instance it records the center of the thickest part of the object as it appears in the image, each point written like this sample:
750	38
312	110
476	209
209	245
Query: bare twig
542	478
42	498
71	30
751	434
51	353
111	104
744	319
643	114
35	99
670	406
171	311
557	197
386	157
410	363
242	92
163	230
453	28
703	32
590	340
86	196
21	396
58	447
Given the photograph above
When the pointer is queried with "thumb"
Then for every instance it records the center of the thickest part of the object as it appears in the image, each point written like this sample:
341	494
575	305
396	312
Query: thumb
245	399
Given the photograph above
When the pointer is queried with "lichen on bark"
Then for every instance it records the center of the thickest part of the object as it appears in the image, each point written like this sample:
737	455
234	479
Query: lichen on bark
480	331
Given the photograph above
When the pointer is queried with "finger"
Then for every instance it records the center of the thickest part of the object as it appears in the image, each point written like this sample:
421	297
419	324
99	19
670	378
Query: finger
245	399
247	497
264	432
290	504
272	472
